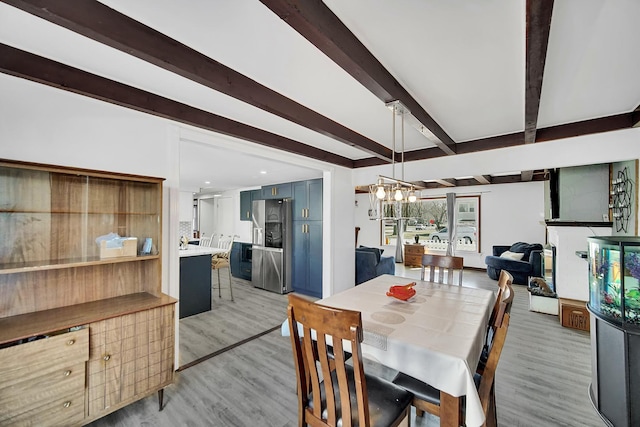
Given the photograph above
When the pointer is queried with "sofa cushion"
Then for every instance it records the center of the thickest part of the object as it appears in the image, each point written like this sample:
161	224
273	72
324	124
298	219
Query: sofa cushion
512	255
525	248
376	251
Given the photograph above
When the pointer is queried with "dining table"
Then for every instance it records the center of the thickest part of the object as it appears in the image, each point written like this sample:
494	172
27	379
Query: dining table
436	336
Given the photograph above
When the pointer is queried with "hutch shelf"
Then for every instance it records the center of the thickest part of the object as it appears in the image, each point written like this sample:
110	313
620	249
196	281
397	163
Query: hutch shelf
80	335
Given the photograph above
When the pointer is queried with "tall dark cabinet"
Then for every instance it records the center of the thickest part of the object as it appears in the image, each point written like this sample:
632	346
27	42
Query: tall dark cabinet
307	237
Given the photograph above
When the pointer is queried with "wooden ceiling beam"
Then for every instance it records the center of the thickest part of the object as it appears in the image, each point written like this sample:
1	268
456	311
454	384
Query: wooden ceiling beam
491	143
636	117
526	176
320	26
586	127
483	179
509	179
537	39
26	65
108	26
568	130
449	182
537	175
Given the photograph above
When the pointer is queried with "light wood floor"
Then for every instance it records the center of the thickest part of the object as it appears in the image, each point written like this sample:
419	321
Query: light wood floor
252	311
542	377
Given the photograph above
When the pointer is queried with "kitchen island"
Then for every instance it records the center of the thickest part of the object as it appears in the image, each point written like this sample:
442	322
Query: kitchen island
195	279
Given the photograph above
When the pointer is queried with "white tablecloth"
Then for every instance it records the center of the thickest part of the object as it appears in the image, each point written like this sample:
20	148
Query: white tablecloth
436	337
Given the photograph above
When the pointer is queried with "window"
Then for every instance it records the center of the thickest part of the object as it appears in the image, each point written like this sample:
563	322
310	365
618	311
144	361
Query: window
428	221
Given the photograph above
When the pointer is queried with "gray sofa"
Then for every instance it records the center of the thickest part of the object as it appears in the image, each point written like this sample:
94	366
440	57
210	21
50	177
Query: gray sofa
370	263
521	270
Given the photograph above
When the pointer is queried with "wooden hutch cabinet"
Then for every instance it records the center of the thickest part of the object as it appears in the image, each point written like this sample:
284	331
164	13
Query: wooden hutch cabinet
84	331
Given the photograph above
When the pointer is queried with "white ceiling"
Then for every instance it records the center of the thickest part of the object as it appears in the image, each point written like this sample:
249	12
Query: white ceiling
463	61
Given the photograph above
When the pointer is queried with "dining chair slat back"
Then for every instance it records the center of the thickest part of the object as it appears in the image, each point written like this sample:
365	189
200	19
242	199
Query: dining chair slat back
486	389
442	268
206	241
505	280
330	392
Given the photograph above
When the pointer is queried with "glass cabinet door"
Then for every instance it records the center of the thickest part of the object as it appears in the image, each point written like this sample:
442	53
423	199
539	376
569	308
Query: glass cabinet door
605	280
614	273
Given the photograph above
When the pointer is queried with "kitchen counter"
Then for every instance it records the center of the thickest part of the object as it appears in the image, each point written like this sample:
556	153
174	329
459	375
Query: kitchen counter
195	250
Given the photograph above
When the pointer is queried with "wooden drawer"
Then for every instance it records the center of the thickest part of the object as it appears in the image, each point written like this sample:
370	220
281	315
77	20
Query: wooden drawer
63	348
574	314
413	255
62	410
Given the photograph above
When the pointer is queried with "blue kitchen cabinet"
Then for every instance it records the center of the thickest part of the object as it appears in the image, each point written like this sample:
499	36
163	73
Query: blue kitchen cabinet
307	258
307	200
277	191
240	260
246	202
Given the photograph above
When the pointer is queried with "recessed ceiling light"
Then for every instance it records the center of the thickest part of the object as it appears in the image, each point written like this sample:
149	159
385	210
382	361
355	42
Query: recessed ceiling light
217	195
263	172
207	182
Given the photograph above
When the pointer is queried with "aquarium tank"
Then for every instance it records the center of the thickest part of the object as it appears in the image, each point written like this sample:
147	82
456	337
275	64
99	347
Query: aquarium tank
614	275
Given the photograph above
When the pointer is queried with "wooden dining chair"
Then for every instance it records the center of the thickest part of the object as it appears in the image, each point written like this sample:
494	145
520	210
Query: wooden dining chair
505	279
444	266
221	260
503	308
330	392
427	398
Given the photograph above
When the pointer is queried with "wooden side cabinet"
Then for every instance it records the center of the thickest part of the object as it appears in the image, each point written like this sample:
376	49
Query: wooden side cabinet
413	255
130	357
81	334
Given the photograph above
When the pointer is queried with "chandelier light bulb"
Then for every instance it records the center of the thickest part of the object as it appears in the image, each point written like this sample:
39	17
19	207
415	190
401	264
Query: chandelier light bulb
412	196
380	192
398	195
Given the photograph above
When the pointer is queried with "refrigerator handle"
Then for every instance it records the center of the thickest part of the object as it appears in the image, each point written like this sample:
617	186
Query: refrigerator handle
257	236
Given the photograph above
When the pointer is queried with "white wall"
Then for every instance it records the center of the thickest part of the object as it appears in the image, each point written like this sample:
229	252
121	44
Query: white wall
207	217
186	206
338	263
240	228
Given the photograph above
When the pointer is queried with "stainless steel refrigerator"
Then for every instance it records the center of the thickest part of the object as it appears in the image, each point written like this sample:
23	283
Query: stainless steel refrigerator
271	249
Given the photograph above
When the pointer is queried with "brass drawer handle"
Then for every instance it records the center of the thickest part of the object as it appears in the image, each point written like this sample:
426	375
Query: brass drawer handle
71	342
67	373
106	357
66	404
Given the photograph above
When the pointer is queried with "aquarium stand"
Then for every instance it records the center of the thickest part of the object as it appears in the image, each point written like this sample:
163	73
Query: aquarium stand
615	382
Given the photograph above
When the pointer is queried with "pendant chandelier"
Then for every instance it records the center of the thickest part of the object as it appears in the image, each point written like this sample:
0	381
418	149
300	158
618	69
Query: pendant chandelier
395	191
